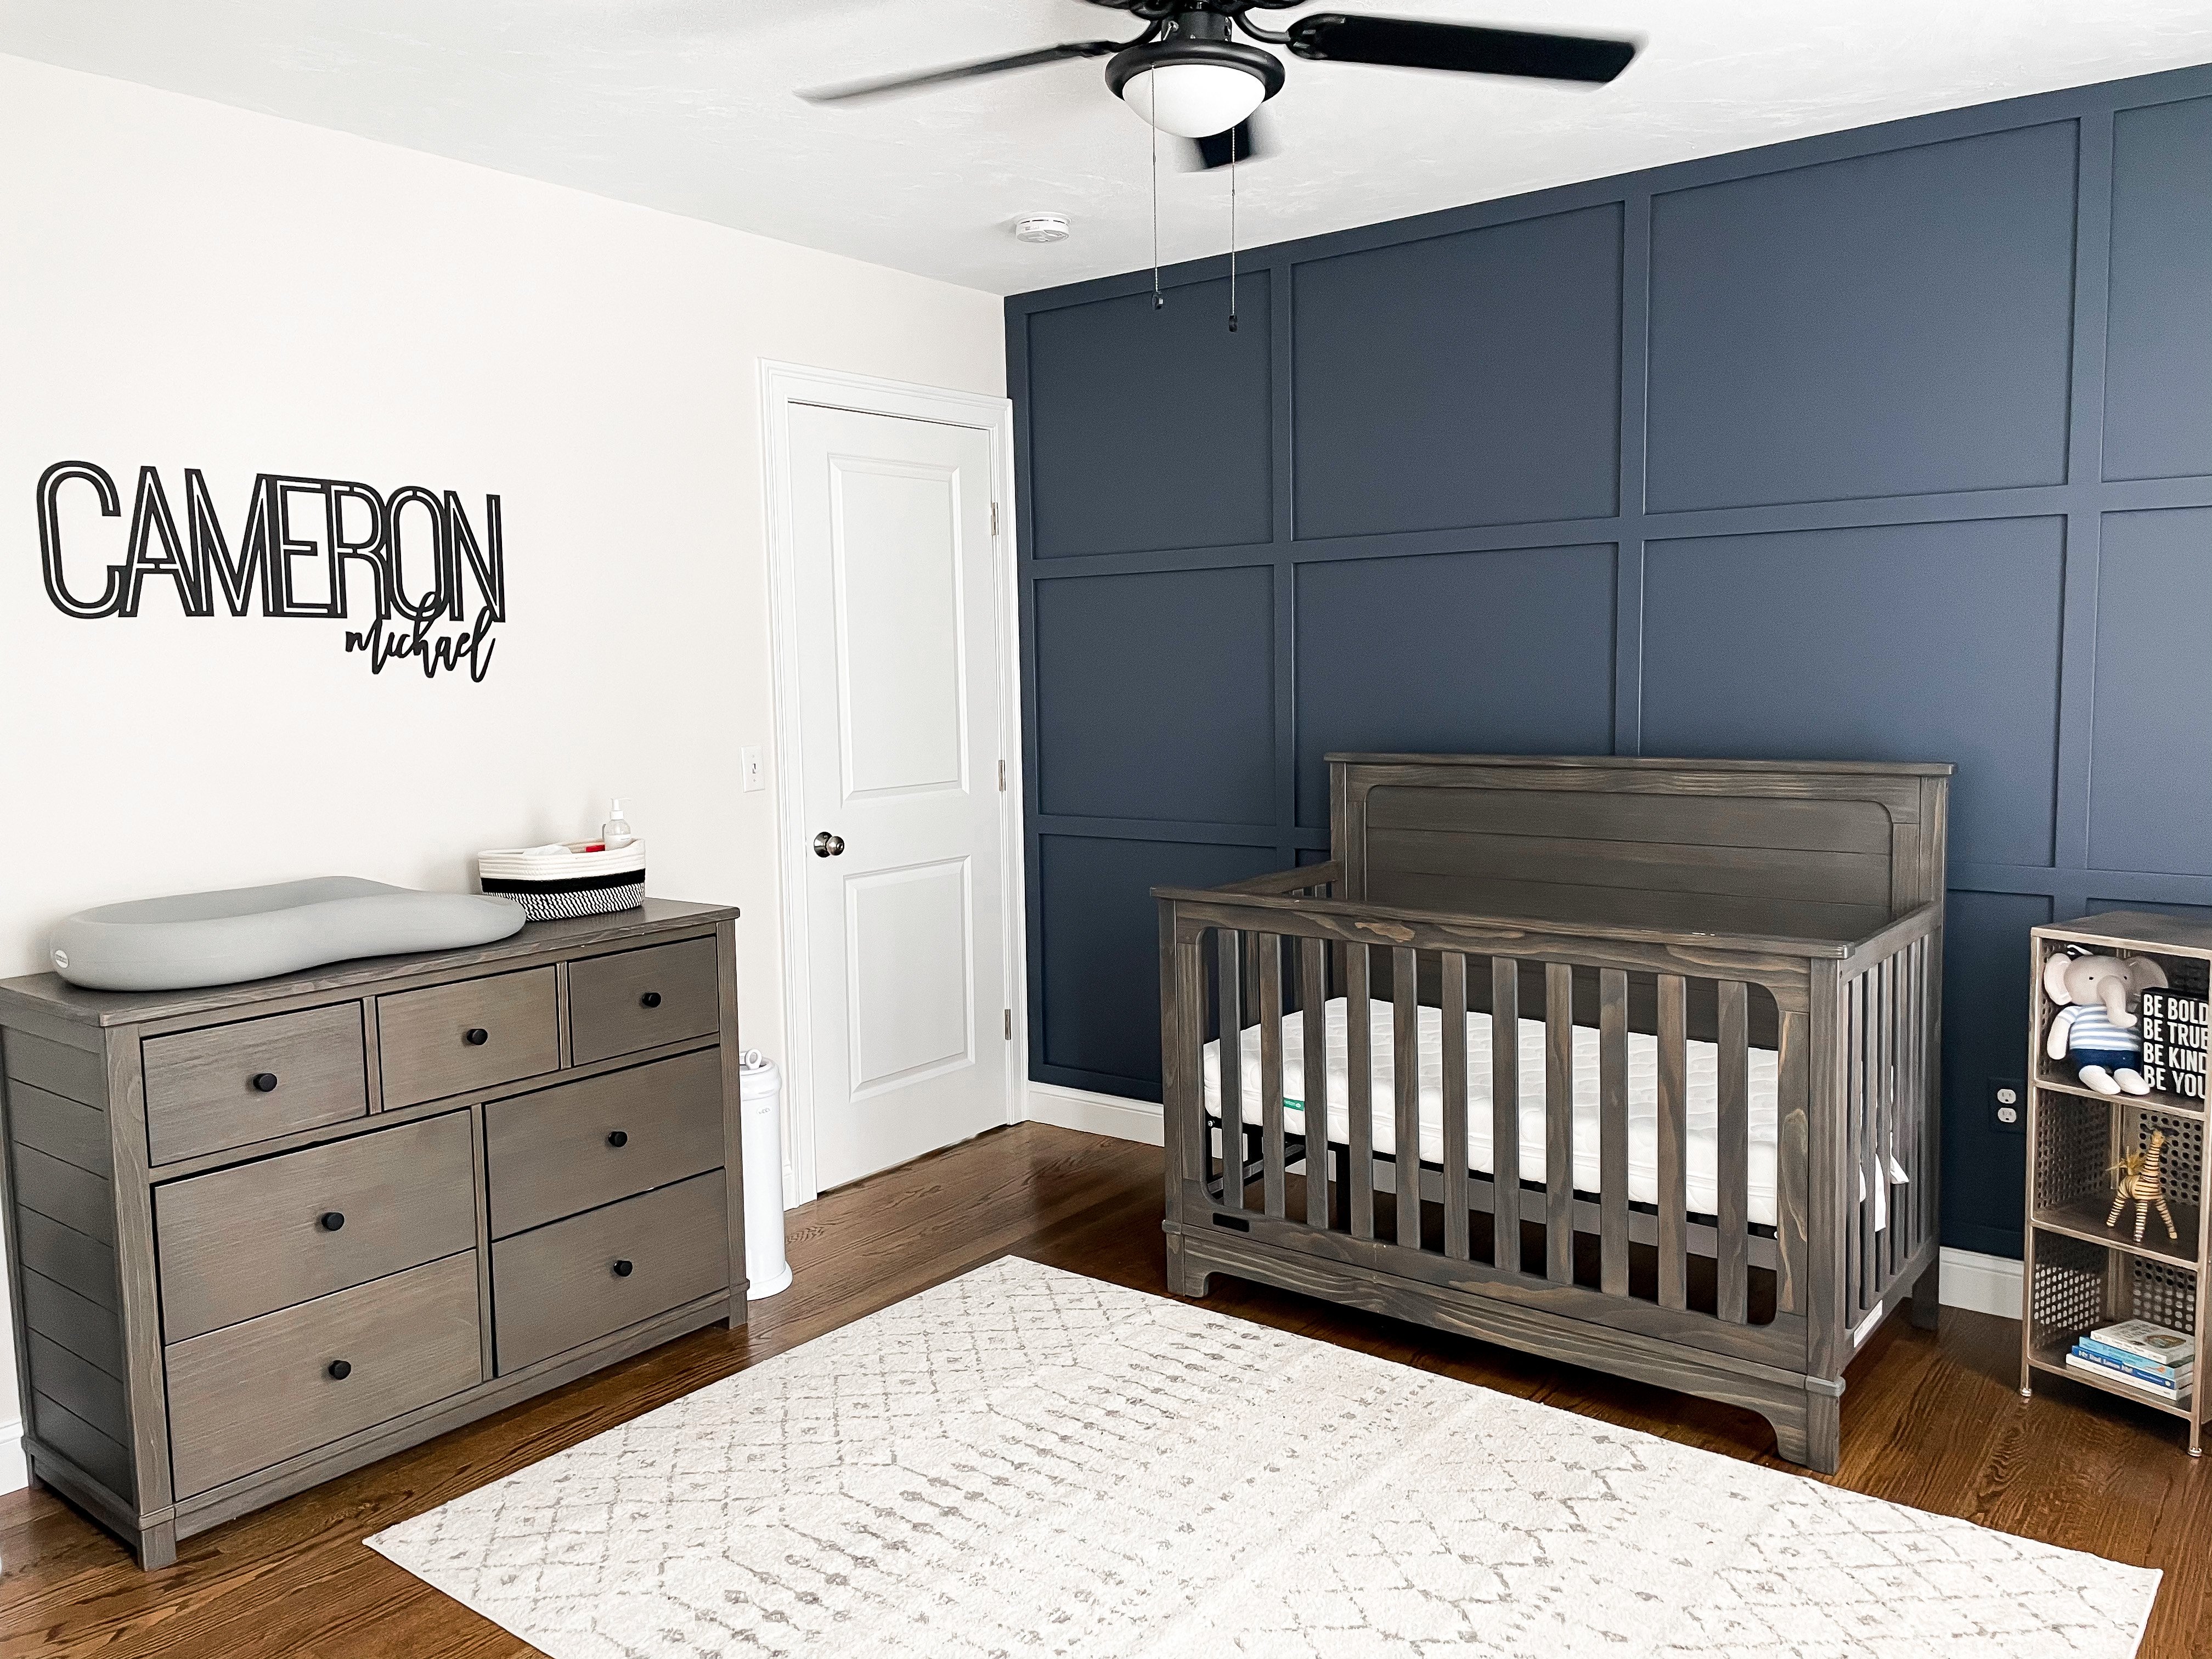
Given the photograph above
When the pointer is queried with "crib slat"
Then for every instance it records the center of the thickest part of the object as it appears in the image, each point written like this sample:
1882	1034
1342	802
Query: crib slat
1908	1151
1271	1072
1900	1212
1735	1162
1559	1123
1451	1007
1891	1054
1929	1029
1406	1079
1359	1063
1612	1131
1313	1010
1879	1126
1915	1100
1674	1139
1505	1113
1854	1113
1793	1115
1870	1087
1228	954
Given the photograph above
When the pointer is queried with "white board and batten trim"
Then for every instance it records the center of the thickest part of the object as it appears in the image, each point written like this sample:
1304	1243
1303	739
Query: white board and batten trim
782	387
1979	1283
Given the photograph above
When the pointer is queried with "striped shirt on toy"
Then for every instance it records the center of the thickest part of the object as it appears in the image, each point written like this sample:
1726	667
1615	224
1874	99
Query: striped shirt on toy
2092	1027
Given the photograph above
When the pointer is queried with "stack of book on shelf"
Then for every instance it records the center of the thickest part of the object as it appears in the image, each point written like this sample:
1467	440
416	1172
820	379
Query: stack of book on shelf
2142	1355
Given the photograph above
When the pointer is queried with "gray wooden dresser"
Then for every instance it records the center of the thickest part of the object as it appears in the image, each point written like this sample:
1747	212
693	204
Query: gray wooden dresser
261	1235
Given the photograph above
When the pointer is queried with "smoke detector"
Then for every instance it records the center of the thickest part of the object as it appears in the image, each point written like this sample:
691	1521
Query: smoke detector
1041	227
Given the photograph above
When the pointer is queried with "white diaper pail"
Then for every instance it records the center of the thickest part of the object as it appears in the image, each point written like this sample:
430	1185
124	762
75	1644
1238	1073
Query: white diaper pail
761	1119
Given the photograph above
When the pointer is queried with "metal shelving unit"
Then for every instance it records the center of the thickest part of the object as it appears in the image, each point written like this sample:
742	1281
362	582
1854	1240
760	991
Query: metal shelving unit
2078	1272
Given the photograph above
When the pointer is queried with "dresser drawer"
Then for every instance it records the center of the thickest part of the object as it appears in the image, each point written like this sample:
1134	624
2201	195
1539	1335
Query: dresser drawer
597	1272
473	1035
253	1394
265	1236
636	999
230	1086
582	1144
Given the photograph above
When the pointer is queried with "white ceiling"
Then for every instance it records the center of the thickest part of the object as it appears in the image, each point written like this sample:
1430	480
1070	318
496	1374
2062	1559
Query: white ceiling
688	105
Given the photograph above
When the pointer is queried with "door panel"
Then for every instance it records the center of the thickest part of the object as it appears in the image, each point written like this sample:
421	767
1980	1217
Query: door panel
900	707
900	656
908	973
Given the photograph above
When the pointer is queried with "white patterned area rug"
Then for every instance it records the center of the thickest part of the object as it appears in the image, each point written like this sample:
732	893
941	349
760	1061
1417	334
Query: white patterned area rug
1026	1462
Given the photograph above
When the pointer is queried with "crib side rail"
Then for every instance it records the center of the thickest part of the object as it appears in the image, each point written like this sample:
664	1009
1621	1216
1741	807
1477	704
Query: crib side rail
1233	961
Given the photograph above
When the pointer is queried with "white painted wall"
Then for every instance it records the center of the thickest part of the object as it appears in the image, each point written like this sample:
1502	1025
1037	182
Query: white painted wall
185	284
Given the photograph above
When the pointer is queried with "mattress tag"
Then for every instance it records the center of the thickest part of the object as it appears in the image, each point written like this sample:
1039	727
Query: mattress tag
1864	1328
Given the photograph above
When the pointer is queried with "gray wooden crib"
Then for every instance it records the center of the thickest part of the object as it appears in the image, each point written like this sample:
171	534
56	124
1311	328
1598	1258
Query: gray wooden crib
1708	1157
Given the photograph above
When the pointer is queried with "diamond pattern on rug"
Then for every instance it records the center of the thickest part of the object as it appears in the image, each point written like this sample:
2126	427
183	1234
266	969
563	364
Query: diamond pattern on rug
1027	1462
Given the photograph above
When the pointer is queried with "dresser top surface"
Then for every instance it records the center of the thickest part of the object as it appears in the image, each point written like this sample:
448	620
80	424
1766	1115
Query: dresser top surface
54	995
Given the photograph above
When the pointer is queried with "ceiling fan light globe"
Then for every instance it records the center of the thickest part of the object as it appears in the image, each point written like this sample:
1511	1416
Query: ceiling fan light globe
1195	101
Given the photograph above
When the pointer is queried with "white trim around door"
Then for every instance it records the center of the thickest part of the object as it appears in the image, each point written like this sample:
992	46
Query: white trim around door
782	387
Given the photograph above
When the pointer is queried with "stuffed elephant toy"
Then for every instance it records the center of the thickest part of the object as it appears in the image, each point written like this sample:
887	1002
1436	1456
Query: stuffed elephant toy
2096	1026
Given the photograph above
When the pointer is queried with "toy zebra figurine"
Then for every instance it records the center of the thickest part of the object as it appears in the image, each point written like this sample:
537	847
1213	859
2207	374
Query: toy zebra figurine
2143	1178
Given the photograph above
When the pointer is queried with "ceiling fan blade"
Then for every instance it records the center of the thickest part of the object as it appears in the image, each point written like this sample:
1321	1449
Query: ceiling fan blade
896	83
1252	142
1332	37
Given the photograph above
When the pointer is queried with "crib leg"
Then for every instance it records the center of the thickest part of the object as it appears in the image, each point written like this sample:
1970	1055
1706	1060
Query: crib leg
1927	1295
1811	1435
1183	1278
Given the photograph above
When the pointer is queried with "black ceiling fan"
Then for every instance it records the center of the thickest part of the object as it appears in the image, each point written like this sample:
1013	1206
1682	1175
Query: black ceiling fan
1187	75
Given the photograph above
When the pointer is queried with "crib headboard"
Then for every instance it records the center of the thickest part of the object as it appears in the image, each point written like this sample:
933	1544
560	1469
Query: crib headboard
1820	849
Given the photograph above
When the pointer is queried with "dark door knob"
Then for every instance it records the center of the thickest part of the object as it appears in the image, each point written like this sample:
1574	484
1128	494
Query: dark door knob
623	1268
619	1138
332	1220
826	845
650	1000
265	1081
476	1037
339	1370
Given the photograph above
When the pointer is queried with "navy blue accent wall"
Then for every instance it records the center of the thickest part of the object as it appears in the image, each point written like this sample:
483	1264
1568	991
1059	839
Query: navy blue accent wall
1894	443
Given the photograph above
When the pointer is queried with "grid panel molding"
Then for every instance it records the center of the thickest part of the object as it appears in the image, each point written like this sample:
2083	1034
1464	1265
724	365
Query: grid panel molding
1873	403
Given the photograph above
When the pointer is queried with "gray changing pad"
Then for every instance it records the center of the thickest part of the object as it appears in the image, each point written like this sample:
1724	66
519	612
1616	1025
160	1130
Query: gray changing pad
251	933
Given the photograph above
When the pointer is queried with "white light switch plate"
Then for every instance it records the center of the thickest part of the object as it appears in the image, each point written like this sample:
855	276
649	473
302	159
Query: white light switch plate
748	763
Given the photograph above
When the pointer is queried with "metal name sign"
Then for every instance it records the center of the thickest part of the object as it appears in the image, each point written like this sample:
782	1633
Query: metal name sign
411	565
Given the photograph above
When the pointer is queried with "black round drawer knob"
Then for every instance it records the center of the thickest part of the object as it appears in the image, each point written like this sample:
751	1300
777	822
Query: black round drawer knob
625	1268
476	1037
332	1220
339	1370
265	1081
650	1000
618	1138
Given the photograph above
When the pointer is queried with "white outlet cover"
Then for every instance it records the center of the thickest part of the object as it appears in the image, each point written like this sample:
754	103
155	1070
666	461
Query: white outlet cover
748	764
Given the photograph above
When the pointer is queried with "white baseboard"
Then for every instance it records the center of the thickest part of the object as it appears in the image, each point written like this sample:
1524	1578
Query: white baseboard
1979	1283
1095	1113
15	1471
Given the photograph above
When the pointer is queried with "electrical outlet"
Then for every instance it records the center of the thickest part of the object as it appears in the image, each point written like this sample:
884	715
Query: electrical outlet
748	765
2008	1103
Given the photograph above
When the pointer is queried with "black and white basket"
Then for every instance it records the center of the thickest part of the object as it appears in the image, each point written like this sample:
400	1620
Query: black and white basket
569	883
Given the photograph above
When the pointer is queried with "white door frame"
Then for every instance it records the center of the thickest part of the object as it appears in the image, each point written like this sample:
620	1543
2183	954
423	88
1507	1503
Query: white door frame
783	386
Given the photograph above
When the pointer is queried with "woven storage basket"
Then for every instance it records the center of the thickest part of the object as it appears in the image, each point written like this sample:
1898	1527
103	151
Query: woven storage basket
571	882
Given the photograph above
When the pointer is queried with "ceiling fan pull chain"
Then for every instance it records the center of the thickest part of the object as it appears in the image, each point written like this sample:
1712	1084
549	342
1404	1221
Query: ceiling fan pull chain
1232	230
1158	300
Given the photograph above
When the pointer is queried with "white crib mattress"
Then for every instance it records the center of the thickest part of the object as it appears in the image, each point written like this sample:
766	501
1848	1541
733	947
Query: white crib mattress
1702	1152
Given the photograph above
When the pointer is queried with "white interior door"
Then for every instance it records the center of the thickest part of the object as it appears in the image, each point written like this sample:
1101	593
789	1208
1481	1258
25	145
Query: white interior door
904	845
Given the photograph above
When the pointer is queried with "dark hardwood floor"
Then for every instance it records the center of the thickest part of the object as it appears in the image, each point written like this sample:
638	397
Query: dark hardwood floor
1932	1420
